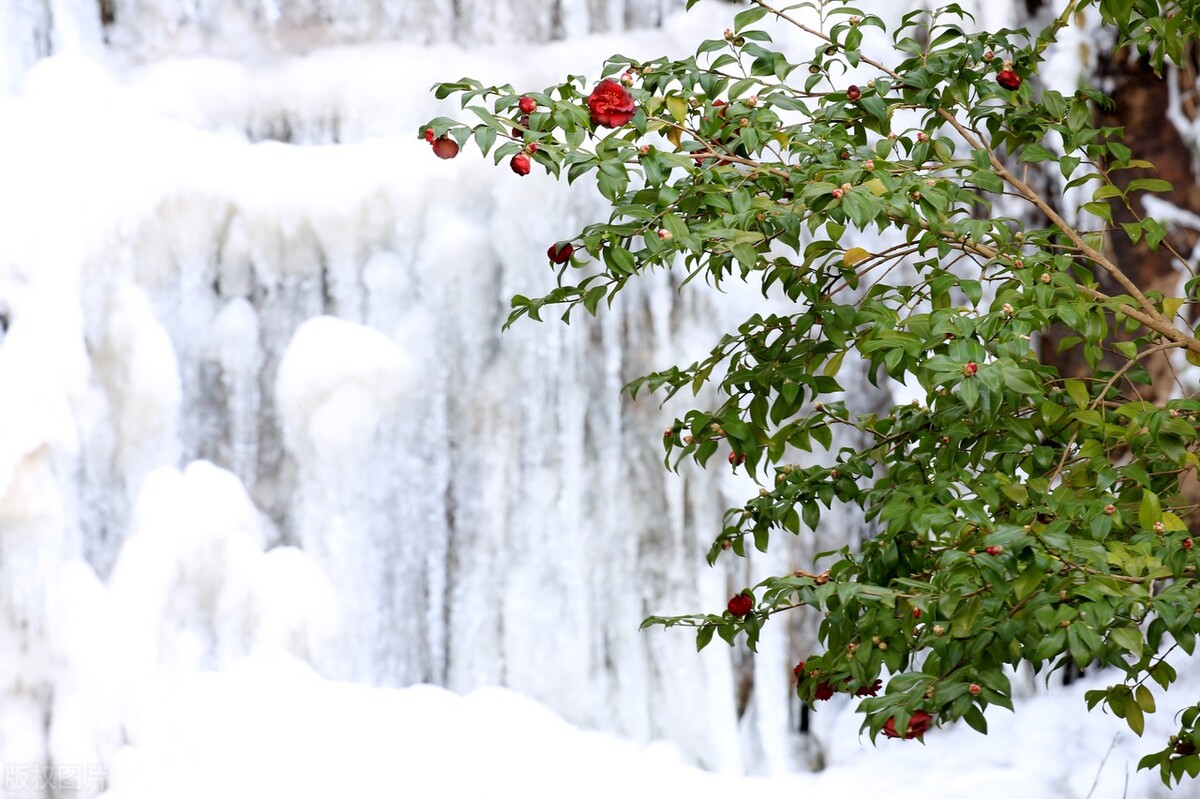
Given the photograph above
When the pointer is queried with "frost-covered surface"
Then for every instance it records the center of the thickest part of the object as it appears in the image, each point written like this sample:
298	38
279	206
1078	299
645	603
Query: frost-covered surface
265	457
286	732
137	31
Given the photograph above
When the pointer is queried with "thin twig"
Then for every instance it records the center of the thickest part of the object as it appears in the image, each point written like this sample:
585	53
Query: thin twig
1103	761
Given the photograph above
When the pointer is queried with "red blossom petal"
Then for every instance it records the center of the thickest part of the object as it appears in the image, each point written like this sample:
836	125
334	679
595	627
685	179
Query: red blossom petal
611	105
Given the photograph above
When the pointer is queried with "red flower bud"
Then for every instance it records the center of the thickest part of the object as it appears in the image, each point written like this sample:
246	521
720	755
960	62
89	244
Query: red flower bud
445	147
994	550
1187	543
740	605
824	691
1110	509
970	368
737	458
518	133
853	93
1008	79
799	670
520	164
527	105
974	689
611	105
1185	748
560	253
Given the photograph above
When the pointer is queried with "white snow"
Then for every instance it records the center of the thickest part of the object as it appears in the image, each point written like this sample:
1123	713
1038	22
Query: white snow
286	732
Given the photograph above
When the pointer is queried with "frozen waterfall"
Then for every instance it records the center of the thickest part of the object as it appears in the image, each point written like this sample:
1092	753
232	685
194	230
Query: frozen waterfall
265	407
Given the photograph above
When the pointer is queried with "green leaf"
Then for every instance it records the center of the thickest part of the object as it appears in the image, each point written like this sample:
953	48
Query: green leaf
1077	392
1135	719
1128	639
976	719
1149	510
748	17
1144	698
678	107
1033	153
1149	184
1155	233
968	392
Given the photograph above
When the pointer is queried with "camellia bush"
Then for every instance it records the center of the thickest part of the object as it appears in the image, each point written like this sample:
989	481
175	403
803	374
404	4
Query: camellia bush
1021	513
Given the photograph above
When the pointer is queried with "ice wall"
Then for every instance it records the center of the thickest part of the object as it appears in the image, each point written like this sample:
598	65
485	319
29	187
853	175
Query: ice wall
139	31
262	406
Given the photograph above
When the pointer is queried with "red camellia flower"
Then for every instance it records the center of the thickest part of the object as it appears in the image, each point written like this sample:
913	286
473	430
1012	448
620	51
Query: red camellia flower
560	253
445	147
799	670
520	164
918	724
870	690
611	104
853	93
740	605
1008	79
527	105
824	691
737	458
